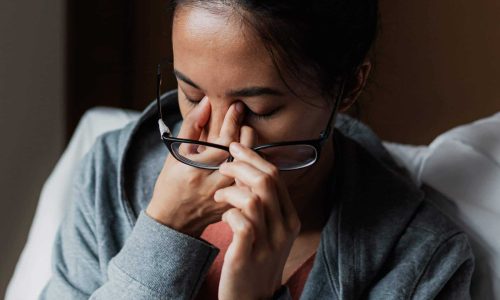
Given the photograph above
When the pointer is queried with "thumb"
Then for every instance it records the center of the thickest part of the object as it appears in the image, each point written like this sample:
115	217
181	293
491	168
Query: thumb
195	120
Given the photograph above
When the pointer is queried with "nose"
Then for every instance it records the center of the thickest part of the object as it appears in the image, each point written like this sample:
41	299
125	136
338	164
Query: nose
219	109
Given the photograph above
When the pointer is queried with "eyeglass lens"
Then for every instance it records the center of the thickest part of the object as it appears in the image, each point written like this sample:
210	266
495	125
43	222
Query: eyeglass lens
284	157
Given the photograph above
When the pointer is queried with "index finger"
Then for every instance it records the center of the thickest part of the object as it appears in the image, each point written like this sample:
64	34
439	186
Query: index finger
196	119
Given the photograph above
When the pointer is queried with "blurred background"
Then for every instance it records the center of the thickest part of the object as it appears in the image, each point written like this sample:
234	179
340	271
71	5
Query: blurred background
437	66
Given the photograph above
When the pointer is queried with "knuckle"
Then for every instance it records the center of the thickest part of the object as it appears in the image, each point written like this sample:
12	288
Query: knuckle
281	241
281	235
252	202
273	171
263	180
222	181
192	179
190	117
294	225
194	125
245	230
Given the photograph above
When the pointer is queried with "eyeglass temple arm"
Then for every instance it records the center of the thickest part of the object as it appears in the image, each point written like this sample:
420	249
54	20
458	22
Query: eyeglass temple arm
161	124
336	105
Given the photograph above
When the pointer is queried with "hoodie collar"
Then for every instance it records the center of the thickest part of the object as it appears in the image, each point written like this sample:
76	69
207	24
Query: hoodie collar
373	205
143	154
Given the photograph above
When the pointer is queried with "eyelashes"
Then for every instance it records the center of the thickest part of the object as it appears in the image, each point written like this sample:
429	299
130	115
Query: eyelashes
248	111
265	116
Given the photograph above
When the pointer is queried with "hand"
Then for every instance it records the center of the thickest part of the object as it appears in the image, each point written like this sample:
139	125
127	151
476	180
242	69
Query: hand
264	224
182	196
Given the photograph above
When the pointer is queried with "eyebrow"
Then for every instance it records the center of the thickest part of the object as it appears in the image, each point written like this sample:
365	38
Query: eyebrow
253	91
184	78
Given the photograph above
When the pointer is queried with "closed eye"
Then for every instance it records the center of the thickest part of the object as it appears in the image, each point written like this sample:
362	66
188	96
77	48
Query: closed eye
248	112
192	102
266	116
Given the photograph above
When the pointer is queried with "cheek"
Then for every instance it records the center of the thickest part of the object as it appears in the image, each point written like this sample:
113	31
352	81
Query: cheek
271	132
301	126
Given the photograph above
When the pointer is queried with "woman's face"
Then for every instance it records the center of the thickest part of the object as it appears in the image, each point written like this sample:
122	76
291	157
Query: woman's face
219	57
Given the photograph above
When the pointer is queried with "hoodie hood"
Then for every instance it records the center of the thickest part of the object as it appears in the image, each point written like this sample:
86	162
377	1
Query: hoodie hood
144	153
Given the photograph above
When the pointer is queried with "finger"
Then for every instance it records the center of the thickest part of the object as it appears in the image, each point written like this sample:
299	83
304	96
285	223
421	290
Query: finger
248	136
243	233
196	119
260	183
249	203
243	153
203	154
230	130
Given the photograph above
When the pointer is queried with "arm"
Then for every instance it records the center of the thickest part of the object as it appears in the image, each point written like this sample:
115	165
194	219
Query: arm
156	261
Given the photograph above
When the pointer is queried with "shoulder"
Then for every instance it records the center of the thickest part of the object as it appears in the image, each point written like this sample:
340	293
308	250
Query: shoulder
429	230
431	259
440	254
105	172
101	162
403	244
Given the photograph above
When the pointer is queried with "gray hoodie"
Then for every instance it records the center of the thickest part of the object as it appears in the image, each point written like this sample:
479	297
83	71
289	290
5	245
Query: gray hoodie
383	239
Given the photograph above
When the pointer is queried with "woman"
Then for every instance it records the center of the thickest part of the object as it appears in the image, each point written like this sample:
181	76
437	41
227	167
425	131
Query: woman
333	219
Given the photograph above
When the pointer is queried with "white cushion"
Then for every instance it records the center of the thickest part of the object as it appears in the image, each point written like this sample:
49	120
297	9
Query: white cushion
460	171
33	270
463	164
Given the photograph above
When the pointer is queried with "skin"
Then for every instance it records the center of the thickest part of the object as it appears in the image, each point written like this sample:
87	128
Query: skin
276	217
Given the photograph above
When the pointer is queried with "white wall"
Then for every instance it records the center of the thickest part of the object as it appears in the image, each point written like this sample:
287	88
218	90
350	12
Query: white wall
31	114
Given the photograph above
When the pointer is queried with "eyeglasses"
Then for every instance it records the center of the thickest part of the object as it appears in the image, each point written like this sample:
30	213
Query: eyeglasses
286	156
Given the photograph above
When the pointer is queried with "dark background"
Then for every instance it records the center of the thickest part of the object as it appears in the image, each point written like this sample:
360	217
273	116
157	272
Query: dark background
113	49
437	62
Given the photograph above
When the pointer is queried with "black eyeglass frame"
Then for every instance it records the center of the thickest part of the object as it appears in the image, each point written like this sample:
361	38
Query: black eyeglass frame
169	140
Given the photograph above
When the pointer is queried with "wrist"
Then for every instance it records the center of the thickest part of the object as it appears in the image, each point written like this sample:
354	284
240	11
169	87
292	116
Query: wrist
191	231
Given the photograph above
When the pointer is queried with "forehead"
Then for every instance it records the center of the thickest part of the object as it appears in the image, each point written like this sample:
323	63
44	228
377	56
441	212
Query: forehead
207	43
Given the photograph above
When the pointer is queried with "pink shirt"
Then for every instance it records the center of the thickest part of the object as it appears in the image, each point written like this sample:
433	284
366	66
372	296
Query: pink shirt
220	235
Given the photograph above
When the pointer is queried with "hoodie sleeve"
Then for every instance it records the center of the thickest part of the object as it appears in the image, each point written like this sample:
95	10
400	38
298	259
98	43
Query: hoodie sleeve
156	261
448	272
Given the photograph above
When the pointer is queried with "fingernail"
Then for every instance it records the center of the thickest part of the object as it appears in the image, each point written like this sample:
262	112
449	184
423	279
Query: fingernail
239	107
235	148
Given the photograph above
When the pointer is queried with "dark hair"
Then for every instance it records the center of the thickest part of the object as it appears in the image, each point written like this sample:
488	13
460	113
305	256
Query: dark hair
319	42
